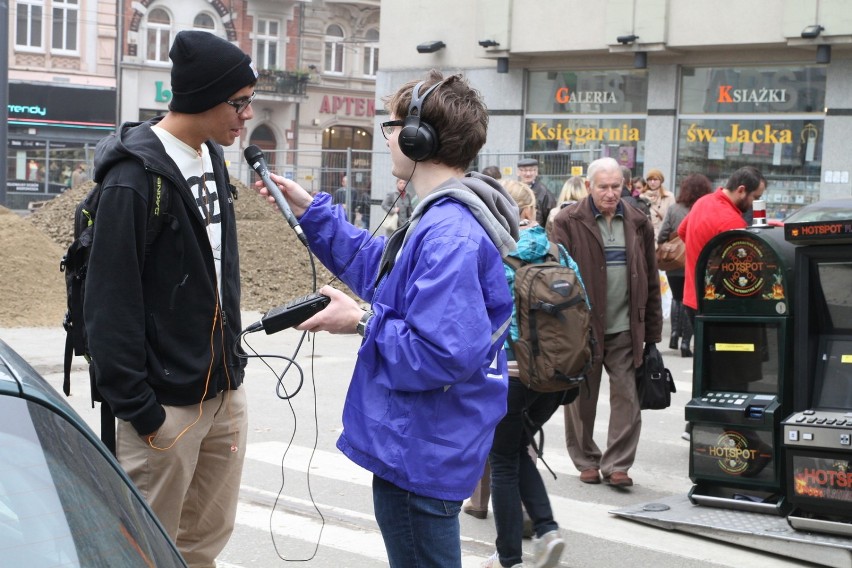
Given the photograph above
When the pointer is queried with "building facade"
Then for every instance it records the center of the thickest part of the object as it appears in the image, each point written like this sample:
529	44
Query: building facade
62	92
682	86
79	68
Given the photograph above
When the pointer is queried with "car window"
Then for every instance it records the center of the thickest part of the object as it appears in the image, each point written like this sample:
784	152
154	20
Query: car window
63	504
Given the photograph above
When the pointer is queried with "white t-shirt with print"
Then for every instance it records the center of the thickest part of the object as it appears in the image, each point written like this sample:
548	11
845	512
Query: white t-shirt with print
198	172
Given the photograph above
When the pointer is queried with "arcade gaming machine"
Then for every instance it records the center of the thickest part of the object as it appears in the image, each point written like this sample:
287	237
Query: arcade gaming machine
818	435
742	385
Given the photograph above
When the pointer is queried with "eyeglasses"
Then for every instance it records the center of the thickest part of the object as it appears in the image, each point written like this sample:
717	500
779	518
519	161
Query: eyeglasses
242	103
387	127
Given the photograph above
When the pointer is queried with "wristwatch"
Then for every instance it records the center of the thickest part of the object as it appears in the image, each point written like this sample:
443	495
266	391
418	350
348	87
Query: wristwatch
362	325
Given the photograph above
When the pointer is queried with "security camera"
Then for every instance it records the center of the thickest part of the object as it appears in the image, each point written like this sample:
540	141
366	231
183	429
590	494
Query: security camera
625	39
488	43
431	46
811	32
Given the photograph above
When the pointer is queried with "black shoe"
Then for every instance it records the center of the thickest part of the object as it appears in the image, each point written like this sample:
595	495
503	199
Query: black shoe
685	351
673	342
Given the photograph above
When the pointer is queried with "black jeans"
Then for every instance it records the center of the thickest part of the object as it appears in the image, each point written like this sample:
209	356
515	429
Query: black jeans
514	476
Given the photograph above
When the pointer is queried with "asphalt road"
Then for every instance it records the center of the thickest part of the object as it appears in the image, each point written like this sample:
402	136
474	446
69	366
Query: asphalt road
301	498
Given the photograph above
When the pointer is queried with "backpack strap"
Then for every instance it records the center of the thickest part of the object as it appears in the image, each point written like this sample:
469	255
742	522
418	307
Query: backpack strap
159	200
531	430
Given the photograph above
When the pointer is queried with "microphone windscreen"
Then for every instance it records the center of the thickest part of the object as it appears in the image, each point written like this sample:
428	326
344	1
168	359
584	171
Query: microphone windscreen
252	153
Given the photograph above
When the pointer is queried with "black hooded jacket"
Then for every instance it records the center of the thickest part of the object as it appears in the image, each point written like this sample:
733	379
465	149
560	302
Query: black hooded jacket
156	330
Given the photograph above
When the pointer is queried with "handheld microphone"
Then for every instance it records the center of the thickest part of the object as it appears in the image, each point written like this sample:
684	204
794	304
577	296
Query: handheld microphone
254	157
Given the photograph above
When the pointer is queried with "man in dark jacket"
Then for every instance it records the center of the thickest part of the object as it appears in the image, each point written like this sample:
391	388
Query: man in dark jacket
613	244
544	200
163	319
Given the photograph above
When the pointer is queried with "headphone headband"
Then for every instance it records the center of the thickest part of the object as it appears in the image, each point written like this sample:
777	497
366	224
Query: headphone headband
417	100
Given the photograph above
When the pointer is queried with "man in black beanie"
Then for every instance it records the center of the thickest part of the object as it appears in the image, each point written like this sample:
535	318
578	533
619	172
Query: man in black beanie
162	306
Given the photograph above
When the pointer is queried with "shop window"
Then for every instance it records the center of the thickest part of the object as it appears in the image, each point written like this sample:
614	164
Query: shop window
787	151
563	144
371	53
28	25
158	35
587	92
336	143
767	117
267	39
334	50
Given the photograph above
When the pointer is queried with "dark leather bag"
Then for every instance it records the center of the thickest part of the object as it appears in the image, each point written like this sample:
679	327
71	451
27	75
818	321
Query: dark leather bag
654	383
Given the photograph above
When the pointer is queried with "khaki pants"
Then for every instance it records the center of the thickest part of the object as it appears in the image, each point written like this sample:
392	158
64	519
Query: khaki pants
190	473
625	418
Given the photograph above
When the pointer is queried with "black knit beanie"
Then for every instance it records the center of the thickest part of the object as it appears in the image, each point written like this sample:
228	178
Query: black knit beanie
206	71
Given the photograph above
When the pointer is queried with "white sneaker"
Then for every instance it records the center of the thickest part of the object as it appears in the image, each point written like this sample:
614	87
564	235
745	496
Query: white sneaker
548	549
494	562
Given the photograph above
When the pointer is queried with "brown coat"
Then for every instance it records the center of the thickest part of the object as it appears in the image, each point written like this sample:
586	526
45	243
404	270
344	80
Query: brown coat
576	229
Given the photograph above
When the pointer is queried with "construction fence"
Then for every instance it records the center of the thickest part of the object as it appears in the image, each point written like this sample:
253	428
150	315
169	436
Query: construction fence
369	172
46	174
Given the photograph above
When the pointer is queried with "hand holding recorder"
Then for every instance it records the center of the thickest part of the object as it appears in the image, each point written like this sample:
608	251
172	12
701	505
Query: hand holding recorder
340	316
342	313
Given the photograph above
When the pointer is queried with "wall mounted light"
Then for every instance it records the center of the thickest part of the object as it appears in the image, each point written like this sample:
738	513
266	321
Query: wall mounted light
812	32
488	43
431	46
640	60
625	39
823	54
502	64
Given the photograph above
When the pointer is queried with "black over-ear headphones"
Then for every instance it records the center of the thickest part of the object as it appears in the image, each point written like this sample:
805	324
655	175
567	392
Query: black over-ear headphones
417	139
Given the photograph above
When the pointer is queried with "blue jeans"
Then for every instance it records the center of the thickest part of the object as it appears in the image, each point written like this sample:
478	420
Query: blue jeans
418	531
514	476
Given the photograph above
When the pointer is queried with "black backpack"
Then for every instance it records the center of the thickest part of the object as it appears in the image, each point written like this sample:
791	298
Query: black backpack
75	263
555	345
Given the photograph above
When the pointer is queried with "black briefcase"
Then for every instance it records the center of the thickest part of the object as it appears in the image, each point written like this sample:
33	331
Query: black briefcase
654	383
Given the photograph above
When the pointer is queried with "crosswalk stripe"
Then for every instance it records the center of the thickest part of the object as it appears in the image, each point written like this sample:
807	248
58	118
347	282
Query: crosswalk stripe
330	465
288	525
303	528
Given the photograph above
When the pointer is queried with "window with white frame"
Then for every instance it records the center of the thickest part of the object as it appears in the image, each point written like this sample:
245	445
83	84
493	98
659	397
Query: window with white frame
334	49
28	24
371	53
267	39
204	21
65	25
158	35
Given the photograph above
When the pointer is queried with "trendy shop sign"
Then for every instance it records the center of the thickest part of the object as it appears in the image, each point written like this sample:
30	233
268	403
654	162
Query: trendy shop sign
61	107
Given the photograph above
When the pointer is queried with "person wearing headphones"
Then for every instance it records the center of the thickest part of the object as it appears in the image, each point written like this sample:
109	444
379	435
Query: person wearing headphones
430	381
163	317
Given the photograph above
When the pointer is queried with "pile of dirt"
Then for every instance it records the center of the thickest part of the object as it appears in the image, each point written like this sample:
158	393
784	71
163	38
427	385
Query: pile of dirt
33	289
274	265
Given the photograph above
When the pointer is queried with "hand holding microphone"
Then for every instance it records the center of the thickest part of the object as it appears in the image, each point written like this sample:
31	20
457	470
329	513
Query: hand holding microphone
302	199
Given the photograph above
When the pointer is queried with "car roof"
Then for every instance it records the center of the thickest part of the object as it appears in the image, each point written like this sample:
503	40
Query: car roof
827	210
18	378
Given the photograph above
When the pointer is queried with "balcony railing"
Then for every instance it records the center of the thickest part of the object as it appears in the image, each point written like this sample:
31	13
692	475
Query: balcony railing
282	82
